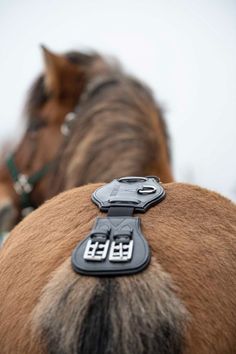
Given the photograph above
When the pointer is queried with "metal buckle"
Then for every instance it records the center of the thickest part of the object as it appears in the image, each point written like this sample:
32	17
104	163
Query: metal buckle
97	246
22	185
65	127
96	251
121	252
147	190
122	247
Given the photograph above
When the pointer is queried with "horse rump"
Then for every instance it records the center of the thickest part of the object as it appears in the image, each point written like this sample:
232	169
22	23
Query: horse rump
124	315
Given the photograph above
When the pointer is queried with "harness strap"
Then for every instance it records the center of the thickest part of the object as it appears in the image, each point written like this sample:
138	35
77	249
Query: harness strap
120	211
116	245
23	184
12	168
37	176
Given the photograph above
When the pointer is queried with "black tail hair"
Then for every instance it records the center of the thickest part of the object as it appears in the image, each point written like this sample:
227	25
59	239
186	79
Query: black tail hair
137	314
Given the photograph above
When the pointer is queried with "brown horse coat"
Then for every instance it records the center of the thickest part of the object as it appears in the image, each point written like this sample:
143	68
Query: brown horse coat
184	302
119	130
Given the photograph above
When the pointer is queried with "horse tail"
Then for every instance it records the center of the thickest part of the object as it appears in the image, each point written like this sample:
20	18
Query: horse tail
138	314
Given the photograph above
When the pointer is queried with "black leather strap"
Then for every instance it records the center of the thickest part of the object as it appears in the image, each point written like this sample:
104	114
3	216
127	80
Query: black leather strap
139	193
120	211
122	251
116	245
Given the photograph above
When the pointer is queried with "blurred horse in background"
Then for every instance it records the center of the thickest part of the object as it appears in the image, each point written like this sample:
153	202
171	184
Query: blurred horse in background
86	121
183	303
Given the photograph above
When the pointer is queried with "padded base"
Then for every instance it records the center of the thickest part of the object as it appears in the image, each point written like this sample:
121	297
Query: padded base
115	246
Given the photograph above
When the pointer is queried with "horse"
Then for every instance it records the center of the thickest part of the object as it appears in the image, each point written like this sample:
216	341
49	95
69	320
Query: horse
182	303
86	121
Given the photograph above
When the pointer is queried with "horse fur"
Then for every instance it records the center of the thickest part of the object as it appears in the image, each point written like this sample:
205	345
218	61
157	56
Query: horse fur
119	128
183	303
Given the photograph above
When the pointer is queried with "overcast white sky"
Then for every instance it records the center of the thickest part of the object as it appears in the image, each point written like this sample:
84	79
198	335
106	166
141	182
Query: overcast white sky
185	50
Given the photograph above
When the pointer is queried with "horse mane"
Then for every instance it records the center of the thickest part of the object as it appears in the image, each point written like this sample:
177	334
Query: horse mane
117	118
119	112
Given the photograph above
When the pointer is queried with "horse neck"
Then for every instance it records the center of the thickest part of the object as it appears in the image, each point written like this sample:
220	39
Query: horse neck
118	131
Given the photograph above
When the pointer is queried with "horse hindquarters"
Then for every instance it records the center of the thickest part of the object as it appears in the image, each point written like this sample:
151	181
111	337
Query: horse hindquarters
192	236
83	315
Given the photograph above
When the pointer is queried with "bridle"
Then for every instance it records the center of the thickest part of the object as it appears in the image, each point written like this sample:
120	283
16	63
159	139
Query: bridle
24	184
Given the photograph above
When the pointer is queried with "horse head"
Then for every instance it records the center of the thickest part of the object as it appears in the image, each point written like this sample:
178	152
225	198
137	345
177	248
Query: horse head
52	98
86	121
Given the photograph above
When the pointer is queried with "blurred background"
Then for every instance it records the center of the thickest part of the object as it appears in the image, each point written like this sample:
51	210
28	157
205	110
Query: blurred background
184	50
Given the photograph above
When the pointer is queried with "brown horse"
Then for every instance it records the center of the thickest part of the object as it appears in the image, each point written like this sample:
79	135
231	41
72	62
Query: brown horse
116	128
183	303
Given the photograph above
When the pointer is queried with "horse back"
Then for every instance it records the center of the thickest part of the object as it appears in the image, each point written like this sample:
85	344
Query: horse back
182	303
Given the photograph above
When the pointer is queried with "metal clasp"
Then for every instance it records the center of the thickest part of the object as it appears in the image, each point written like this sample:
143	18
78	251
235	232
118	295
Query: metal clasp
132	179
122	247
66	125
97	246
22	185
147	190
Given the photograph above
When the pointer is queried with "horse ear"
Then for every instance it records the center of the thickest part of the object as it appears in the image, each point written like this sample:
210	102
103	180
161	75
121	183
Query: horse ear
55	65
